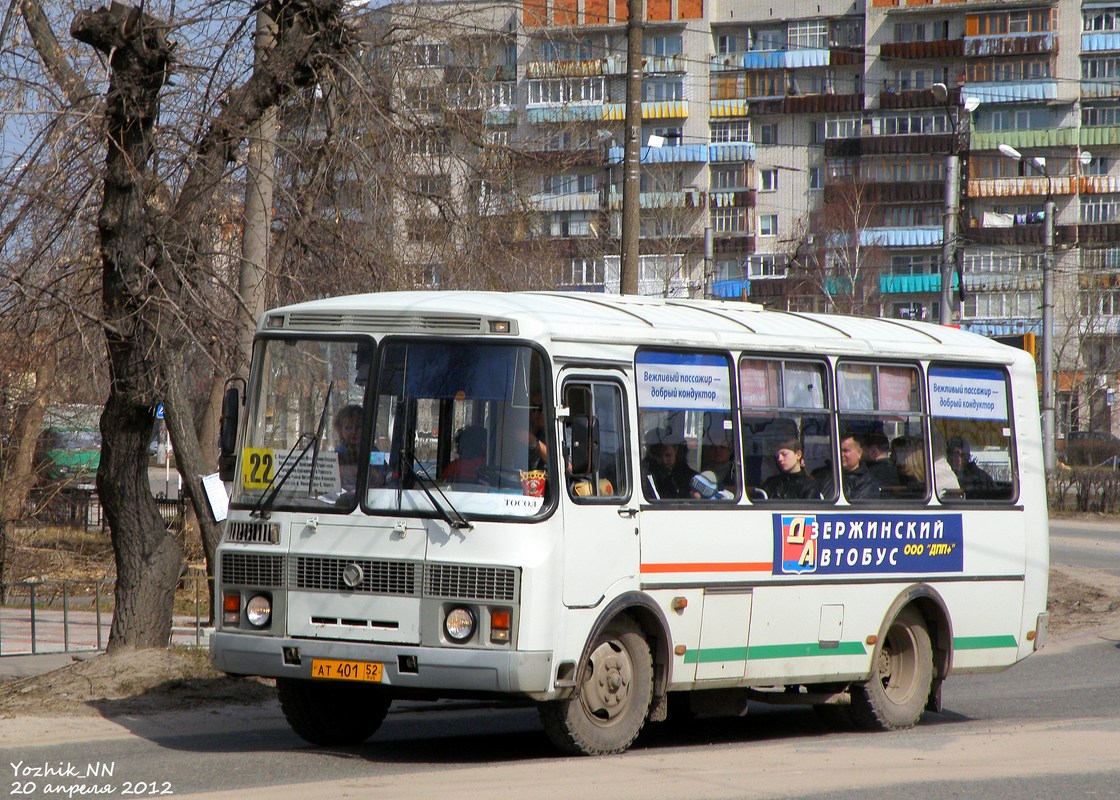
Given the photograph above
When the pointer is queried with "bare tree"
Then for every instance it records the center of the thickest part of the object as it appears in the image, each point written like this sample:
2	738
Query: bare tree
834	265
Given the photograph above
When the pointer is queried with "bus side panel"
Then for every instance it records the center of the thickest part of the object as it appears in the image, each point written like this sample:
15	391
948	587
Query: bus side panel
986	633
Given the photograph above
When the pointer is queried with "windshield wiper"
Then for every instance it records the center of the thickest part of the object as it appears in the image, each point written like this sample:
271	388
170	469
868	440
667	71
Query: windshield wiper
450	514
287	467
319	438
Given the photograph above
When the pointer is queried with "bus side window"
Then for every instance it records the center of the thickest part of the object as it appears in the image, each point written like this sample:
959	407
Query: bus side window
596	412
972	441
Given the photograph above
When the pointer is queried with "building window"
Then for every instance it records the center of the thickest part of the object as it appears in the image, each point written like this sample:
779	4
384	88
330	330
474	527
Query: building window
661	45
553	91
735	131
657	90
767	133
767	224
585	272
729	178
731	220
768	180
766	265
808	33
769	39
816	177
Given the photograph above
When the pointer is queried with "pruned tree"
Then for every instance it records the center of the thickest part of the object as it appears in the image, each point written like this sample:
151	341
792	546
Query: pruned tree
153	237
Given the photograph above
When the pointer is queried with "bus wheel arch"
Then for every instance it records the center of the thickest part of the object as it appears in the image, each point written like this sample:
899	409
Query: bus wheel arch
909	663
620	682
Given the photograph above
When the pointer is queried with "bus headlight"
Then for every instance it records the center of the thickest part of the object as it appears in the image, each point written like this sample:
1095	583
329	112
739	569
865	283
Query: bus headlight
258	610
459	624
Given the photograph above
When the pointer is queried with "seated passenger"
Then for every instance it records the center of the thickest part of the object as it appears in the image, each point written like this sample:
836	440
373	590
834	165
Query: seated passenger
877	458
470	442
792	481
910	459
719	459
973	479
857	480
665	475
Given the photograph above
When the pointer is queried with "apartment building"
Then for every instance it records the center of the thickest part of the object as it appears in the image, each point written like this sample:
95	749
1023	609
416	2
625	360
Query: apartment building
795	154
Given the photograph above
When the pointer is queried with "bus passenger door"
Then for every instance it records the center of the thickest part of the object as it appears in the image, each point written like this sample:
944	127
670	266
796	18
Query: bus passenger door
600	517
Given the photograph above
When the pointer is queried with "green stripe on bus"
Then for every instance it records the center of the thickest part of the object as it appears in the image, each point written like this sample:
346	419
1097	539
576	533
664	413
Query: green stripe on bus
712	654
983	642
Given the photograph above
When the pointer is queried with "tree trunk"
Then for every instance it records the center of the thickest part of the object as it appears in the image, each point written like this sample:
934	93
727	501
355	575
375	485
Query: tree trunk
148	556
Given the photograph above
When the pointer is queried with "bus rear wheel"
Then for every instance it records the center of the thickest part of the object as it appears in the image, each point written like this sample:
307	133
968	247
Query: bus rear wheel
611	704
332	713
902	674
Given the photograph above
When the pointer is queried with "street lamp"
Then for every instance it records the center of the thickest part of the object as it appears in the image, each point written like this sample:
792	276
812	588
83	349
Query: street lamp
952	200
1048	212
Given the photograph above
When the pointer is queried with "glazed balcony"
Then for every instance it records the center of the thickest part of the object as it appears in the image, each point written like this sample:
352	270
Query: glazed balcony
732	289
913	284
587	68
1029	186
1010	44
604	112
1012	91
1098	136
680	198
1098	184
731	151
685	154
1024	139
732	198
1100	42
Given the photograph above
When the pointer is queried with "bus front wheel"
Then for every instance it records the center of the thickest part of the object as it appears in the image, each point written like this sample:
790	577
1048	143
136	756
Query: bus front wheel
337	713
611	704
901	677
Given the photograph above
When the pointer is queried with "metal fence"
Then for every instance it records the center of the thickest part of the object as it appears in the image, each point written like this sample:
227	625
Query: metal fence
71	616
79	506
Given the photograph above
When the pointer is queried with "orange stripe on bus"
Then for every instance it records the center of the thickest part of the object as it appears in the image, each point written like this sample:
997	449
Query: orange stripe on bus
742	566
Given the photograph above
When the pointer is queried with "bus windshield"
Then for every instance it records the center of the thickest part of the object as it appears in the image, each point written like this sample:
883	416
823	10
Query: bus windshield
302	445
460	428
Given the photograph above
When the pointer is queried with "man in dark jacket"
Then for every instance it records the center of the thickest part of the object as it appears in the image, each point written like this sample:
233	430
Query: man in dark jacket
858	482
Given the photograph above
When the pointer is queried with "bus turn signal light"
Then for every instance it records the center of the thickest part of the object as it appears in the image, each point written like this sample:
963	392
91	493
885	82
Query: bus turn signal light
231	607
500	626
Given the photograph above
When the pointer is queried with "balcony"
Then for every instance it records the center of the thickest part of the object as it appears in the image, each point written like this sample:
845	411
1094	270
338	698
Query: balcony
733	198
1099	90
1012	91
730	151
1011	327
1023	139
1000	282
916	98
685	154
912	284
575	201
589	68
909	144
901	237
898	192
1010	44
1100	42
654	109
810	104
681	198
737	289
499	116
772	59
1098	136
1031	186
1031	233
1098	184
945	48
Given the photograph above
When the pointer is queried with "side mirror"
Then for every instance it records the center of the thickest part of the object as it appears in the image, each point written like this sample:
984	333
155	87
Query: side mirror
584	445
227	434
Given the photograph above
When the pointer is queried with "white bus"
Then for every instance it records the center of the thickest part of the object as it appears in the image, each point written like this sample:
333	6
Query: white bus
599	503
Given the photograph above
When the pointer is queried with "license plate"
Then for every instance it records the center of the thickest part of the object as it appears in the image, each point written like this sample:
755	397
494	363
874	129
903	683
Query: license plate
337	670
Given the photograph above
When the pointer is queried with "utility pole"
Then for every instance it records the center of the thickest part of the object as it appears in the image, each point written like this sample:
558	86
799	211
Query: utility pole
1049	210
949	242
629	260
1049	456
260	178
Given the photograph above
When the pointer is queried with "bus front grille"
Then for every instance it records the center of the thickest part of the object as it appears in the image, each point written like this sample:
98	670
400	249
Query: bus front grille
253	569
374	577
470	583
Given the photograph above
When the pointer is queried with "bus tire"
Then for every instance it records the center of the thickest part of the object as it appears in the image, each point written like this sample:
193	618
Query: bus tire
901	676
332	713
610	706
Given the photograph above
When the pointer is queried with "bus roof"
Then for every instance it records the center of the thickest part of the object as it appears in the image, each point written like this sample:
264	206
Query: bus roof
583	317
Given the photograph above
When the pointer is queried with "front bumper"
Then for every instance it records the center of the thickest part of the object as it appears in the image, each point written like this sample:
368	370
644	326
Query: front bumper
435	668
